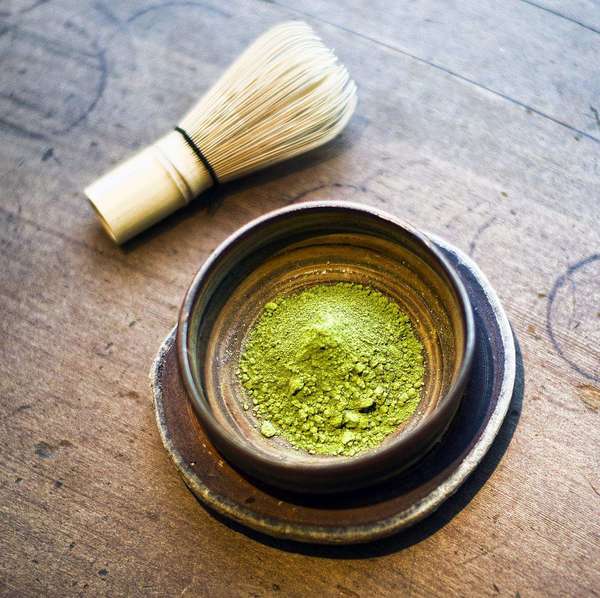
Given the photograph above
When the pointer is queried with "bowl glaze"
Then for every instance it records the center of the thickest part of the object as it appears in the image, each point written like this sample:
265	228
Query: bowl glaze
294	248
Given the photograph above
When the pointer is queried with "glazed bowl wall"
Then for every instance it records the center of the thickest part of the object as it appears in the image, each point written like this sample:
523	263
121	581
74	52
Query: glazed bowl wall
287	251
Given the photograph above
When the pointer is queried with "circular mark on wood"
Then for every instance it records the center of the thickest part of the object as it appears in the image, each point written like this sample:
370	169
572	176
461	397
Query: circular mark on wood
158	68
49	85
573	316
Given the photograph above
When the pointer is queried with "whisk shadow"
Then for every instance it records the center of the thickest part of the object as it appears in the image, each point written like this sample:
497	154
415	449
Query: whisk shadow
212	199
431	524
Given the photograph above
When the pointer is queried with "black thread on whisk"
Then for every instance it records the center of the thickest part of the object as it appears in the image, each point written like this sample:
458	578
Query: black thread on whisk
196	150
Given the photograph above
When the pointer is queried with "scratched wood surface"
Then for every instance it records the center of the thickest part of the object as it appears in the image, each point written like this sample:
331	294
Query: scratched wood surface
477	120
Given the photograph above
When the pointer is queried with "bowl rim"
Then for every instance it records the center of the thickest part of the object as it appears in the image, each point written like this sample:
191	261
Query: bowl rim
345	465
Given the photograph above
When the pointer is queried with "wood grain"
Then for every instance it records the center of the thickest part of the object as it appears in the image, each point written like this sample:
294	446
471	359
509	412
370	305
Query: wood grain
487	45
89	502
581	12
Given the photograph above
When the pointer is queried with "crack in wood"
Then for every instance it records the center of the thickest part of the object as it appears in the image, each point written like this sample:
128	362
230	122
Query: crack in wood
442	68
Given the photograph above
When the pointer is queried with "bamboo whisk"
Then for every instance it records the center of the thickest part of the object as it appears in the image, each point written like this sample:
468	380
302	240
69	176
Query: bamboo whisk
285	95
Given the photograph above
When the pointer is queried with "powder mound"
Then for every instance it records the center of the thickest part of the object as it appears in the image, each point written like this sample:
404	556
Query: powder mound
333	369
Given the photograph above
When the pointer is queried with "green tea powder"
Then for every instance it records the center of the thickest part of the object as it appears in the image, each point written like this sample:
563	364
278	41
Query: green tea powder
333	369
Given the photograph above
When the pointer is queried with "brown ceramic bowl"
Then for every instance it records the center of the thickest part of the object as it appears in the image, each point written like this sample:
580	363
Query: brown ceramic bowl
294	248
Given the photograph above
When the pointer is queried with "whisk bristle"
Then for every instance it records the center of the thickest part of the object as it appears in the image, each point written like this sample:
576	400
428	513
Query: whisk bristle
285	95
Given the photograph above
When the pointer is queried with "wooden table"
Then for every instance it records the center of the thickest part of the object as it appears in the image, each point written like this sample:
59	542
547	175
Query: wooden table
479	121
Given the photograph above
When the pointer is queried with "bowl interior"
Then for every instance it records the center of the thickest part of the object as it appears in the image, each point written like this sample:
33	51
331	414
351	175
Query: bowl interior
294	251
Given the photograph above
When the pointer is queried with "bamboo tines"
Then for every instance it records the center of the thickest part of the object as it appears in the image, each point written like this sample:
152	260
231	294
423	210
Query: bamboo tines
285	95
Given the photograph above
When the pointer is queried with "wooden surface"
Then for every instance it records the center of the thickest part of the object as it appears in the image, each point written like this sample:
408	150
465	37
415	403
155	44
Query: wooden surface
477	120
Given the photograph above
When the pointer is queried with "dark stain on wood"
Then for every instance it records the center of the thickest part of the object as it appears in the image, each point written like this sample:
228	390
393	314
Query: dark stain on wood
44	450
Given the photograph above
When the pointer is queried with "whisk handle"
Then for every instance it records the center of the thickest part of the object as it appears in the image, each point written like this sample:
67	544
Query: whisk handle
147	187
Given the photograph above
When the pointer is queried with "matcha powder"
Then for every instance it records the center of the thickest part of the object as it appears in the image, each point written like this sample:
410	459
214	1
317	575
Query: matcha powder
333	369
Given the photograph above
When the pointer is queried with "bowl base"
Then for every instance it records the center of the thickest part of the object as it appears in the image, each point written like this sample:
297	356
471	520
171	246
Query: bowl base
360	515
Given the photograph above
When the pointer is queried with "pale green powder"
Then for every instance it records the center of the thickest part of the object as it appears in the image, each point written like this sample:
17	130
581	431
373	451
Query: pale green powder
332	369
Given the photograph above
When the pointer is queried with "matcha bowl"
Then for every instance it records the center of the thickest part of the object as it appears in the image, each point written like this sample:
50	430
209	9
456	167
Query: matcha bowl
288	251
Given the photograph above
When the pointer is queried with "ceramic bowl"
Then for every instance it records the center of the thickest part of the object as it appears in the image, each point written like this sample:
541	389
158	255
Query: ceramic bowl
286	251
